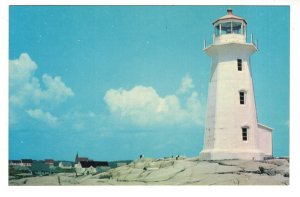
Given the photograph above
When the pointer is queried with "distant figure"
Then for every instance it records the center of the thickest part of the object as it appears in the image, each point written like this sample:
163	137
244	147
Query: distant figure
141	156
177	157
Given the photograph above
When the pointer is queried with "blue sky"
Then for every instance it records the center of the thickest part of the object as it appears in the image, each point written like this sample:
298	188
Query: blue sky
113	82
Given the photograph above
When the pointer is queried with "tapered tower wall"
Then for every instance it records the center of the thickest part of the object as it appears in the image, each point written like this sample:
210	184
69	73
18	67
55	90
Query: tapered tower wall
225	115
232	130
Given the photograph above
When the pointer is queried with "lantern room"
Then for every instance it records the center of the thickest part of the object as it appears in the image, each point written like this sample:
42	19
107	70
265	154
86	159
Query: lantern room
229	29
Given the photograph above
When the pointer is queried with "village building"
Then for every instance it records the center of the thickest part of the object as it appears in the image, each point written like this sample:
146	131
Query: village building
91	167
15	162
232	130
65	165
26	162
49	162
78	159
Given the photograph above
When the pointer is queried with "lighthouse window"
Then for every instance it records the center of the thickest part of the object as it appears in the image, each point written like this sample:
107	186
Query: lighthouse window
226	28
239	63
242	97
245	133
237	28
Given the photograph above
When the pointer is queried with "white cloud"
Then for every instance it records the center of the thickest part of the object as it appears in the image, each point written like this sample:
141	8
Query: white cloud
195	108
25	91
43	116
56	89
186	84
21	69
25	88
143	106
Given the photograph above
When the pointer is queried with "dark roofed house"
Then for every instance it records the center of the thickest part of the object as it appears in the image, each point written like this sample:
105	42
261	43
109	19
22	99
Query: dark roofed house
87	164
83	159
26	162
40	168
78	159
91	167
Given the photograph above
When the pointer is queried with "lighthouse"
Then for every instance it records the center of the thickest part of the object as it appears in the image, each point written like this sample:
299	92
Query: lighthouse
232	130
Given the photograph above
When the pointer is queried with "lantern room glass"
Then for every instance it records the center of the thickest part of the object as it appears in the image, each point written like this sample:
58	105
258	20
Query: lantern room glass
230	28
217	30
226	28
237	27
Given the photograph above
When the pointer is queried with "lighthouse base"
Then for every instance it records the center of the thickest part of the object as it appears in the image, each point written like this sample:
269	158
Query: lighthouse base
214	154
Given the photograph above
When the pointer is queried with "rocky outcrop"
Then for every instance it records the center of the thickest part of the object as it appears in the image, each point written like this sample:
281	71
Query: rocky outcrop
181	171
194	171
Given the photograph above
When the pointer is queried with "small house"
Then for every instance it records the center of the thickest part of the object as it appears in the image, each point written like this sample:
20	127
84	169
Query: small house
15	162
26	162
49	162
91	167
65	165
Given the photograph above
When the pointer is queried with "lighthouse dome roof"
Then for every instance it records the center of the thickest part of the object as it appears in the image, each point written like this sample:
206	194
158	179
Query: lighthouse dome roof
229	16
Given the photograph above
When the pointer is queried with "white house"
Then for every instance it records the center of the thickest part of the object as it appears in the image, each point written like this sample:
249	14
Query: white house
232	130
91	167
15	162
65	165
26	162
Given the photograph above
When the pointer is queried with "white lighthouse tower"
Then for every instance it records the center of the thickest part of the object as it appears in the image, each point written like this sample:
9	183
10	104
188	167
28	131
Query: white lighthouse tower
232	130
